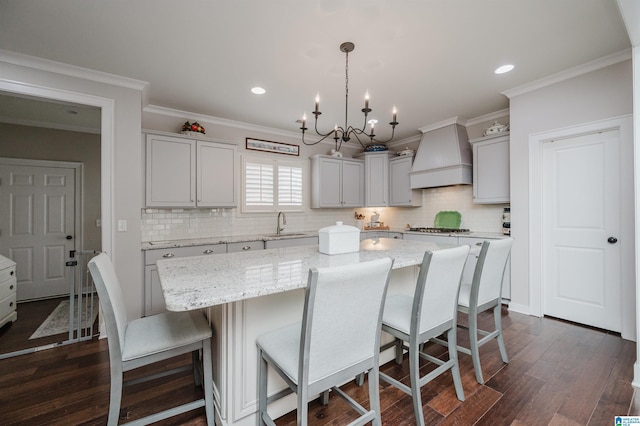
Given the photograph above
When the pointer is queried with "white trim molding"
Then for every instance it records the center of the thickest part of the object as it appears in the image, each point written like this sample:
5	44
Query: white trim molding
536	141
594	65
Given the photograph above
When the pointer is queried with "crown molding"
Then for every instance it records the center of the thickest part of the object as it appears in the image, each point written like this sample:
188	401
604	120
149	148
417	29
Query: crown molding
453	120
488	117
594	65
176	113
42	64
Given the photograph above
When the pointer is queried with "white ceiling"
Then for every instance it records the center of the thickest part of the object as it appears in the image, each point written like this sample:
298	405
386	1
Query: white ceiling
432	59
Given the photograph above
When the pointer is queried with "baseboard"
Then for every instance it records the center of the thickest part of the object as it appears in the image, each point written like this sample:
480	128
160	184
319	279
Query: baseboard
521	309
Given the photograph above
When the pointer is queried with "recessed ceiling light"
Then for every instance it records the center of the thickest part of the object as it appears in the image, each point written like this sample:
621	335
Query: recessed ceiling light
503	69
258	90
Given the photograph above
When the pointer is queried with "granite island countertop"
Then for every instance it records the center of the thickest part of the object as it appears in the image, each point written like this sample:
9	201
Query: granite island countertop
202	281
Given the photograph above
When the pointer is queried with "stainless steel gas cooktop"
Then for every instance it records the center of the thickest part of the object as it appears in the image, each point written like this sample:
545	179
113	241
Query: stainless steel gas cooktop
439	230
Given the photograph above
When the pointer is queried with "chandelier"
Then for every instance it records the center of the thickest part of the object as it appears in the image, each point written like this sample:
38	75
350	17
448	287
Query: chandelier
344	134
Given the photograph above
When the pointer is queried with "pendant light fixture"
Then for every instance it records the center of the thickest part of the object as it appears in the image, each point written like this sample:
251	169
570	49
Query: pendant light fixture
344	134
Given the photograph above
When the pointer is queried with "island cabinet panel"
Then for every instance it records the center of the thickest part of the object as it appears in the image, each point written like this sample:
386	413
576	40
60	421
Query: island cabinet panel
491	169
336	182
183	172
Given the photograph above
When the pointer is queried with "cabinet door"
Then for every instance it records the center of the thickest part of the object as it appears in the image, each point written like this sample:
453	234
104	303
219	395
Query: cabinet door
377	180
216	171
153	298
327	183
400	192
171	172
491	171
352	183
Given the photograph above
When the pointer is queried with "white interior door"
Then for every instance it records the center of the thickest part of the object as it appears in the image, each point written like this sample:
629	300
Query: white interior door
37	222
581	223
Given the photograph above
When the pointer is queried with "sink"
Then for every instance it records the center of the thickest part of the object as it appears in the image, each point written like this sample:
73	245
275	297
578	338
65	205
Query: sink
286	234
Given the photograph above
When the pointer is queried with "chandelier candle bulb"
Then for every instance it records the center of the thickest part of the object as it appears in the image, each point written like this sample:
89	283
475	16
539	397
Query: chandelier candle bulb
366	100
395	112
317	102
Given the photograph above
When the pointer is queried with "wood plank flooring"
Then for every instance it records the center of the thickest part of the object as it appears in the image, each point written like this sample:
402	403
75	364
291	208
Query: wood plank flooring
559	374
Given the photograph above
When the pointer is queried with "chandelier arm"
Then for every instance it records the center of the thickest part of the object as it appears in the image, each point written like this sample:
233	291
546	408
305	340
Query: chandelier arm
393	130
355	133
317	142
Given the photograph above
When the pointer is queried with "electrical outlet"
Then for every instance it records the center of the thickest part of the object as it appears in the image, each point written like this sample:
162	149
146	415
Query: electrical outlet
122	226
98	223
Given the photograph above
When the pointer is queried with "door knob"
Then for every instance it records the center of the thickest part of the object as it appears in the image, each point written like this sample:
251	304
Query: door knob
69	237
612	240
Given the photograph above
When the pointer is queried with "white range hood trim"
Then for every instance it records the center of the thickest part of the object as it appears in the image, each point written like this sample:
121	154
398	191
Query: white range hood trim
461	174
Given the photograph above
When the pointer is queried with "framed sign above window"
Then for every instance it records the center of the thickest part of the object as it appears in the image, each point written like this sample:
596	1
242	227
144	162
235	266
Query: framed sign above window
276	147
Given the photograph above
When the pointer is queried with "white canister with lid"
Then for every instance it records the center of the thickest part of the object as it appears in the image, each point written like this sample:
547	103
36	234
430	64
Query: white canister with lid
339	239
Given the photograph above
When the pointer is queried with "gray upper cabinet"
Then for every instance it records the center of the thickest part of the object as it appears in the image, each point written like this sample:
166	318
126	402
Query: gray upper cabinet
400	192
183	172
336	182
491	169
376	182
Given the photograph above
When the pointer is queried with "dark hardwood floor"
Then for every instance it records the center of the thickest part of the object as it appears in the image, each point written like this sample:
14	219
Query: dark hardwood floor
559	374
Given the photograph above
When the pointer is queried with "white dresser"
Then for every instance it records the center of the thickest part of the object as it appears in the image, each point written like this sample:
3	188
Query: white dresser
7	291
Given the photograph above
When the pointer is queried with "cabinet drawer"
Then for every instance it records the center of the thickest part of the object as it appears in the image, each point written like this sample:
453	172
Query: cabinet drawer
8	288
7	273
151	256
7	305
245	246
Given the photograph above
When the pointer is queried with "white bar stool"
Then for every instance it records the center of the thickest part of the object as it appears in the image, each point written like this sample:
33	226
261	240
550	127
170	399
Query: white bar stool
428	314
337	340
149	340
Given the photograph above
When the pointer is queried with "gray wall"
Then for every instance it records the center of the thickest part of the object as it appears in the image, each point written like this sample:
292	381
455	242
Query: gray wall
597	95
38	143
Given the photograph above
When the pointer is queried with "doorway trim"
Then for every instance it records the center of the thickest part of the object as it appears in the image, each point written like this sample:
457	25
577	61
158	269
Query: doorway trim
107	110
536	141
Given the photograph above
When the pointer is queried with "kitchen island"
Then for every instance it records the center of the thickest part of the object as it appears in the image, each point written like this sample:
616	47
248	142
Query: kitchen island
248	294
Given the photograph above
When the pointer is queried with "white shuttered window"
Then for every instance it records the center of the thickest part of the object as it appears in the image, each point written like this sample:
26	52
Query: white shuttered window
272	185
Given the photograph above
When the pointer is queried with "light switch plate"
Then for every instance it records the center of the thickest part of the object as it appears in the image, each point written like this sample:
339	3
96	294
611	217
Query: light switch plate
122	226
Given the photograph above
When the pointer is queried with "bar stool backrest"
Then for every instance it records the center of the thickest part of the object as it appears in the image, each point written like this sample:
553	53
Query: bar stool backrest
487	277
342	318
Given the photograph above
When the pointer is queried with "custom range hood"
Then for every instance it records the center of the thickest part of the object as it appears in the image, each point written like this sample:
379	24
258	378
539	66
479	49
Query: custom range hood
443	158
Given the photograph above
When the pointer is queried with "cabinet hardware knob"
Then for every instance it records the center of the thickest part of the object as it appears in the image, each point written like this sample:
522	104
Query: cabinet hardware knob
168	255
612	240
11	304
207	251
12	272
246	248
11	287
69	237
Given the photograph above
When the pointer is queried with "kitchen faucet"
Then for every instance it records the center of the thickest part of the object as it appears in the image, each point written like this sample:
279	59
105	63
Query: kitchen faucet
284	222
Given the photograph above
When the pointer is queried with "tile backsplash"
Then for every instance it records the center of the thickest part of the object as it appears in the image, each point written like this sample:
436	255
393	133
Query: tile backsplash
178	224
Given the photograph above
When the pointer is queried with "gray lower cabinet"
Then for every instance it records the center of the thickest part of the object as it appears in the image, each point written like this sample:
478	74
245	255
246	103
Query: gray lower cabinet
153	299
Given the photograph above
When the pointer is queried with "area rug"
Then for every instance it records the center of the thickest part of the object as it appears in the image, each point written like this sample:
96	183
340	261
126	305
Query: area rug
58	321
